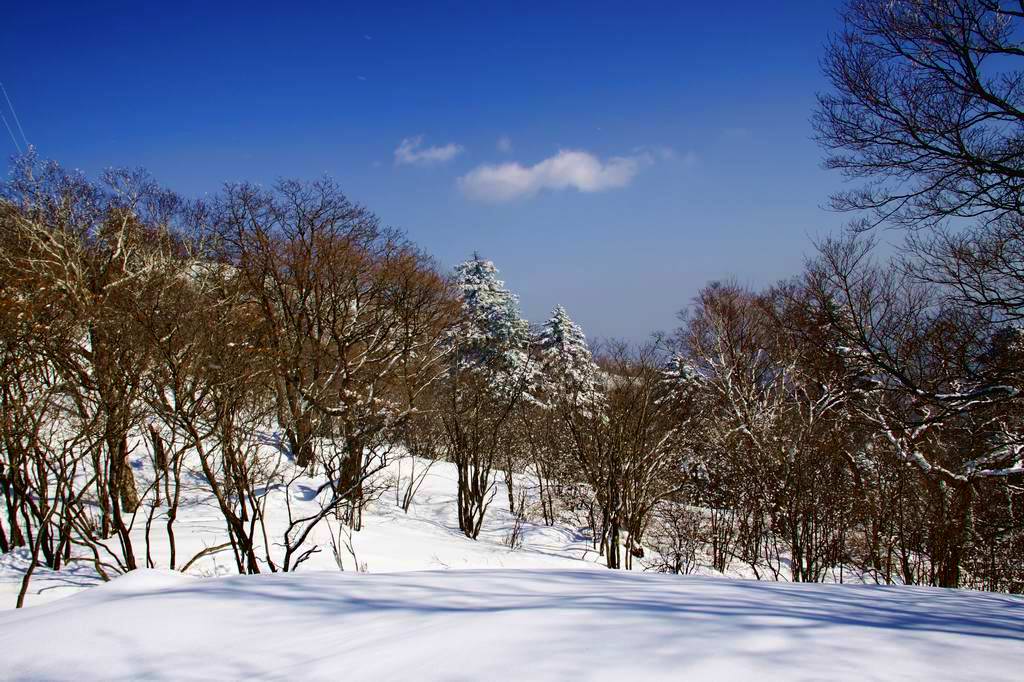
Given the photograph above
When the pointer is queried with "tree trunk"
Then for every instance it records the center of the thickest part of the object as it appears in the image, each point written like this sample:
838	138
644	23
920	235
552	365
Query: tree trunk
159	459
122	479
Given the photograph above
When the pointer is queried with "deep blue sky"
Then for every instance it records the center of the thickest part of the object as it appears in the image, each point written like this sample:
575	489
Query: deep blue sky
707	105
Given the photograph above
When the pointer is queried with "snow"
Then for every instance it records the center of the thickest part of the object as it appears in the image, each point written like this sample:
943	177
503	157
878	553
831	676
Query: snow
511	624
425	538
437	606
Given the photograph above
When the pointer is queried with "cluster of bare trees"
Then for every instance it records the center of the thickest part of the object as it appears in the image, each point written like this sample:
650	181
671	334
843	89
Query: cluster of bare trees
861	417
851	423
130	314
281	342
844	425
615	442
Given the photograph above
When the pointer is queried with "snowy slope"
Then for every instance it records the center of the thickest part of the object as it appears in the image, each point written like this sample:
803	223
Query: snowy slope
425	538
547	610
511	624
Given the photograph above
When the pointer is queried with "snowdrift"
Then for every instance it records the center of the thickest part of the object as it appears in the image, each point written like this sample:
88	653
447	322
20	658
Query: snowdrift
523	624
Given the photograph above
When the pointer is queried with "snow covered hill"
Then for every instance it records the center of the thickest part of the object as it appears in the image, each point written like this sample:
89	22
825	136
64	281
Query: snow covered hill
433	604
511	624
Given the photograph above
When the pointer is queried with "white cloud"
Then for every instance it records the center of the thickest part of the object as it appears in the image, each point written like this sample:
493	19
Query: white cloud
504	144
412	151
567	169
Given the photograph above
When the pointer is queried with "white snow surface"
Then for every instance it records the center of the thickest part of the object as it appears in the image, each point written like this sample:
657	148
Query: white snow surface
526	624
435	605
425	538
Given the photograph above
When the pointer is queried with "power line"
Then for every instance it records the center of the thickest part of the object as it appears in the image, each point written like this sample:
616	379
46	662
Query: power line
14	113
8	126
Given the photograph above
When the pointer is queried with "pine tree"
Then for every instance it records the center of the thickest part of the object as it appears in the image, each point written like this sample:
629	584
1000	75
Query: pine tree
683	379
494	338
490	375
567	365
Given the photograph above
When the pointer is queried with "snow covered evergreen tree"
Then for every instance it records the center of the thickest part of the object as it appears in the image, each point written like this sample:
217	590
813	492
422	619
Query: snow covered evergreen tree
494	338
568	368
682	378
490	375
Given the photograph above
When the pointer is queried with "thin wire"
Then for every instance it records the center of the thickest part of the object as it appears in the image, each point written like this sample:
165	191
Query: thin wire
8	125
14	114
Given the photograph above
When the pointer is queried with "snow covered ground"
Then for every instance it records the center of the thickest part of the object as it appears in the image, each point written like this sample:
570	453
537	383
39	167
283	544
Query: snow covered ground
547	610
425	538
525	624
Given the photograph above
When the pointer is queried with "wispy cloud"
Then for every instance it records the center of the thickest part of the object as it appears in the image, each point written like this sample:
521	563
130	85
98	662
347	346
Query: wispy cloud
568	169
411	151
504	144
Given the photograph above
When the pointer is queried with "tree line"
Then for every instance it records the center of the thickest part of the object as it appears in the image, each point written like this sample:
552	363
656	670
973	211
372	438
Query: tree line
853	418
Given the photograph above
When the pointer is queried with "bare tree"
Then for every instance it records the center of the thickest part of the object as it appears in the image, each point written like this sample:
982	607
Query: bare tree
943	390
624	445
354	316
91	248
928	107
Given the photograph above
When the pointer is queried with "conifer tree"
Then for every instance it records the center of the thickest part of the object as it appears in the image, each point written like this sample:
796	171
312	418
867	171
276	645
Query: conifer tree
490	374
567	365
493	339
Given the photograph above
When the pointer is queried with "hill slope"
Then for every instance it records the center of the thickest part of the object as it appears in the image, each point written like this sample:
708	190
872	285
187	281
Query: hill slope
511	624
